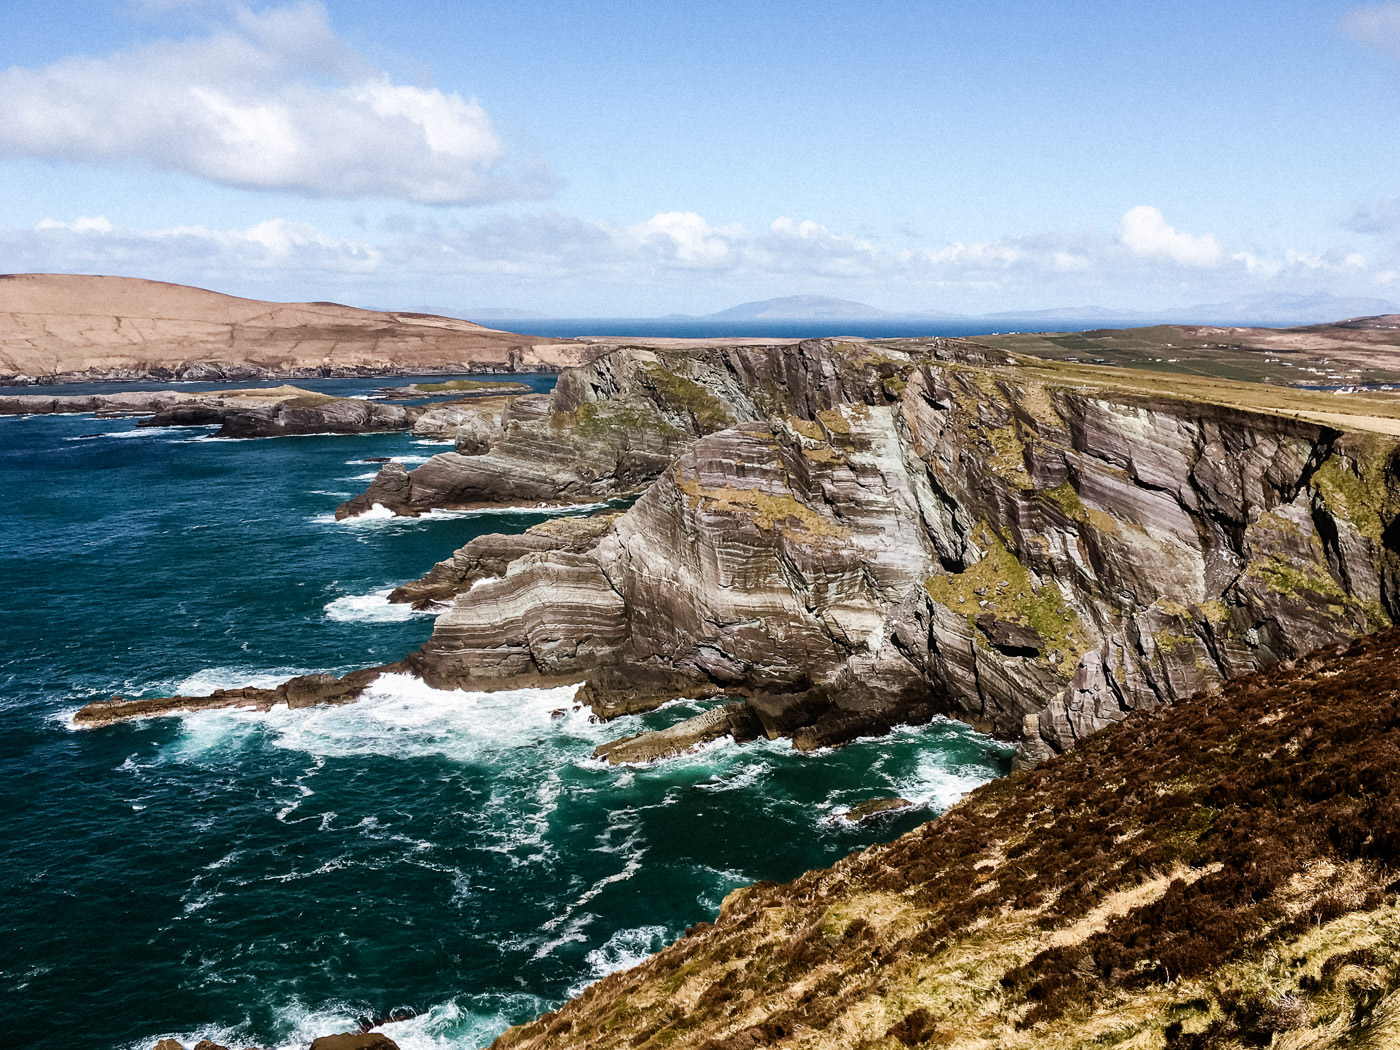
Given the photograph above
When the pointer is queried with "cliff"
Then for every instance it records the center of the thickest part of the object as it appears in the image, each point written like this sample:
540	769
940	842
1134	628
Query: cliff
934	527
1214	874
72	328
849	535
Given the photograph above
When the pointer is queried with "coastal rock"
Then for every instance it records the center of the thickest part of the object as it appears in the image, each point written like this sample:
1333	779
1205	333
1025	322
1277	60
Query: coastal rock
472	422
728	720
766	559
1036	557
612	426
487	557
854	536
315	414
355	1041
874	807
302	691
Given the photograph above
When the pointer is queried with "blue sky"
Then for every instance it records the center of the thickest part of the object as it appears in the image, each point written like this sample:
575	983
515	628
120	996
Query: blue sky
627	158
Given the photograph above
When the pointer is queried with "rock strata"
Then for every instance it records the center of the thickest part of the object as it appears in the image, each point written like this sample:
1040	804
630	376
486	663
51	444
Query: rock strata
612	426
851	536
1034	556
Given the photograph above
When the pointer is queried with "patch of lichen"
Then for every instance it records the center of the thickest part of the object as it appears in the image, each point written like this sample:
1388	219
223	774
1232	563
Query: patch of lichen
613	421
1355	487
1294	579
1067	499
1001	584
782	513
686	395
1008	458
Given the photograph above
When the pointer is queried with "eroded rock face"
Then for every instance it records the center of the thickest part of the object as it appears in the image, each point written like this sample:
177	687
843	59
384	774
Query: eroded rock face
1035	558
614	425
854	536
1107	554
766	560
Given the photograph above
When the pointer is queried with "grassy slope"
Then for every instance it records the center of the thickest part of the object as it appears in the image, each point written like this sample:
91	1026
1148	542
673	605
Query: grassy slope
1218	873
1313	354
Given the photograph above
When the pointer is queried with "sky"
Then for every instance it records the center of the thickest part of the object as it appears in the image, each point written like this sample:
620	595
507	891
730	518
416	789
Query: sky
616	158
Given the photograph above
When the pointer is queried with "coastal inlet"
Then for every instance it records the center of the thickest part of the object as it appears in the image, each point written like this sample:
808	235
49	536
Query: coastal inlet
265	879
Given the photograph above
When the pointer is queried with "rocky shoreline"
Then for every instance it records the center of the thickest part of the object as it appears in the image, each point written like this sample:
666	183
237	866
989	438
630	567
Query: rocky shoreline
844	536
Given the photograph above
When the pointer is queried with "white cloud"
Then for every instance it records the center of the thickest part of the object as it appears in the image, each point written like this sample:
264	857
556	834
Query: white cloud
271	100
674	258
1144	232
686	238
1375	25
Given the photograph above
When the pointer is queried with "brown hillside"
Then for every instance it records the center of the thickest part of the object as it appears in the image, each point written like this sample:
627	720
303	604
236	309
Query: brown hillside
1218	873
63	323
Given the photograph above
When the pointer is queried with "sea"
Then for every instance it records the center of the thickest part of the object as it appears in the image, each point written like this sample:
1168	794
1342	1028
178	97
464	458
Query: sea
263	879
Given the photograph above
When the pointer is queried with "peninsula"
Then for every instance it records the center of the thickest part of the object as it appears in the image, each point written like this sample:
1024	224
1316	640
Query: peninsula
67	328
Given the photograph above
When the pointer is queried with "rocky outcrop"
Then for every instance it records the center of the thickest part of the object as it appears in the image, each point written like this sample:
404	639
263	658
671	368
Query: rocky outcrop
612	426
1034	556
302	691
727	720
1107	552
257	412
487	557
471	422
314	414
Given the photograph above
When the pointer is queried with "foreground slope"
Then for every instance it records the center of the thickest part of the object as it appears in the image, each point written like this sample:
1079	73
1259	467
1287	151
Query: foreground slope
72	327
1217	873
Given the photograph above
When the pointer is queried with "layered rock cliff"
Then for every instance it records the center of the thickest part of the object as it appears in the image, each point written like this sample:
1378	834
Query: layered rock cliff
851	535
943	528
612	426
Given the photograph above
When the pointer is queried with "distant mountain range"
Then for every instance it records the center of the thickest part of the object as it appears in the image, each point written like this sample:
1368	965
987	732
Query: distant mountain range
1256	309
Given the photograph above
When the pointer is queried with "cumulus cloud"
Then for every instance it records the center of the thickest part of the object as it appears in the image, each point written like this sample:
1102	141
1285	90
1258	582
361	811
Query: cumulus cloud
270	100
1143	231
1376	26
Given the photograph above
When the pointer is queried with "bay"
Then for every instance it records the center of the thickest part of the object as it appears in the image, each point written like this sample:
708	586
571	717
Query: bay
264	879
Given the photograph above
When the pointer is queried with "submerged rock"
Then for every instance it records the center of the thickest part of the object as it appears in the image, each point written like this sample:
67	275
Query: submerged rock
355	1041
874	807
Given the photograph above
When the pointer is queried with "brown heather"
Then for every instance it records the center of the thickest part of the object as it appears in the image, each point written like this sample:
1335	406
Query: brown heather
1218	873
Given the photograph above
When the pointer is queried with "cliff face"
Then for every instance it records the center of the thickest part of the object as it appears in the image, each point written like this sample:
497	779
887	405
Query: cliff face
1218	874
900	534
1114	552
612	426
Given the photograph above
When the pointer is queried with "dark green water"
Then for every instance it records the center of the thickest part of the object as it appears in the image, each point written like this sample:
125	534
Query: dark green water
263	879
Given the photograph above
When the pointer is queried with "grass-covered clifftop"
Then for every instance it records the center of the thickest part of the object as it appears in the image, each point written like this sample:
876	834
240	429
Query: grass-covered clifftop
1217	873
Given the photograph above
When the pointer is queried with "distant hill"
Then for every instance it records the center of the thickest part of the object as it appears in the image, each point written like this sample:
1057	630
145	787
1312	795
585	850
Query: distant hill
798	308
121	327
1282	309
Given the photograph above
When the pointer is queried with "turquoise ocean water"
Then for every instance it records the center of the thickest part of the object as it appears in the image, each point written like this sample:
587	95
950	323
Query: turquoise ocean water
263	879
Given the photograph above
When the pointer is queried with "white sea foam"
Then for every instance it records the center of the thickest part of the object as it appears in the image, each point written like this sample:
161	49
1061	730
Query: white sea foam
379	515
401	716
623	950
133	433
376	608
205	681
